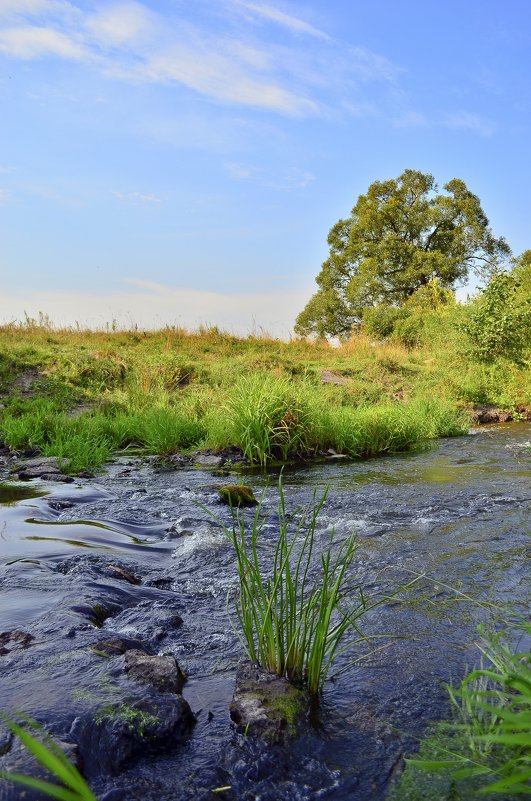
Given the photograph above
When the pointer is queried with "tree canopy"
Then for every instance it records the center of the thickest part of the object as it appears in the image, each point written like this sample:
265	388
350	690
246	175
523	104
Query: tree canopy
401	235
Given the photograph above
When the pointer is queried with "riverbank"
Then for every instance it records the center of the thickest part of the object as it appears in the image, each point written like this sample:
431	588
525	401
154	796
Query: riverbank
83	395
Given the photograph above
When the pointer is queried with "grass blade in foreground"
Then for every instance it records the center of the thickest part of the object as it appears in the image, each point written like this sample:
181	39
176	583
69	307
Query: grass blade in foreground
50	756
486	752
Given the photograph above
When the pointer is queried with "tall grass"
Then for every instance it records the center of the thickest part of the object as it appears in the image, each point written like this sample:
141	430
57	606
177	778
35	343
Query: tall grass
169	390
294	605
270	417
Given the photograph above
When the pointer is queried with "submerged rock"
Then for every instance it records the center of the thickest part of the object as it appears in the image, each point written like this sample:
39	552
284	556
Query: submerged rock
14	640
237	495
266	705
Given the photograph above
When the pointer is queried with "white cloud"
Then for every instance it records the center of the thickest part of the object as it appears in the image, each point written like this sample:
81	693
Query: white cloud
136	197
151	305
121	24
466	120
13	8
4	196
217	75
37	42
272	14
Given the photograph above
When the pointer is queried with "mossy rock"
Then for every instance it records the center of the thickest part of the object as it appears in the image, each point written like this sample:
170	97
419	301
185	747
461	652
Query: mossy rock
237	495
267	706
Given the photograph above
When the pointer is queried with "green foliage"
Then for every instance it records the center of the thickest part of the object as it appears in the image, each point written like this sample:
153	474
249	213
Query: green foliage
295	606
486	750
212	390
499	322
400	236
72	788
289	622
390	428
270	418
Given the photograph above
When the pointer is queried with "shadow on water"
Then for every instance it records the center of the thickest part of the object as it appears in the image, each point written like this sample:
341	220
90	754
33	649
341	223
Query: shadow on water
134	551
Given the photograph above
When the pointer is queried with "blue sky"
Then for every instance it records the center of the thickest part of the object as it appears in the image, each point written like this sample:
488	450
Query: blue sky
182	162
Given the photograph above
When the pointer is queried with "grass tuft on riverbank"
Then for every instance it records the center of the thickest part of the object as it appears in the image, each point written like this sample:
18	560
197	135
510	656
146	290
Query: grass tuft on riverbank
82	395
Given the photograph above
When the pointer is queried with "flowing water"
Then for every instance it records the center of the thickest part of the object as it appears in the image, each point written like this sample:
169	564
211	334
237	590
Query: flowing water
458	514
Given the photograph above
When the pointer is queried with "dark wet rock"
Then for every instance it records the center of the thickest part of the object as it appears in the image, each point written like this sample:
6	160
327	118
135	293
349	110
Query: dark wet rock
116	794
237	495
523	412
114	646
266	705
44	467
229	456
118	733
14	640
57	477
233	455
162	583
161	672
178	460
59	505
489	413
208	460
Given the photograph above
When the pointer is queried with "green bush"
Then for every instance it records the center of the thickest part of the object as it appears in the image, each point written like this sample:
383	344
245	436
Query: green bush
499	322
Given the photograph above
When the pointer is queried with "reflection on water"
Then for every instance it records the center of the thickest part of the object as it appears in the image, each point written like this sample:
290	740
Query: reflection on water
11	493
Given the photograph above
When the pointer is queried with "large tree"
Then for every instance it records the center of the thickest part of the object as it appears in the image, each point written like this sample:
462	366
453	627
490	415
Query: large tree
400	235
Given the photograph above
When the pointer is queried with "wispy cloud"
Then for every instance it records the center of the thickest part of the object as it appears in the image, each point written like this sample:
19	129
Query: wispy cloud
273	14
126	23
466	120
136	197
131	42
4	196
33	42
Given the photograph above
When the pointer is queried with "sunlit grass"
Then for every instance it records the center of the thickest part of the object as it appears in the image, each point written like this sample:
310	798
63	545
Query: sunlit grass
172	390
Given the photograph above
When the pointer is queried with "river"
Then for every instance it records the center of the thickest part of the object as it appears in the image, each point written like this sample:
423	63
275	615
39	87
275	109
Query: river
457	514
